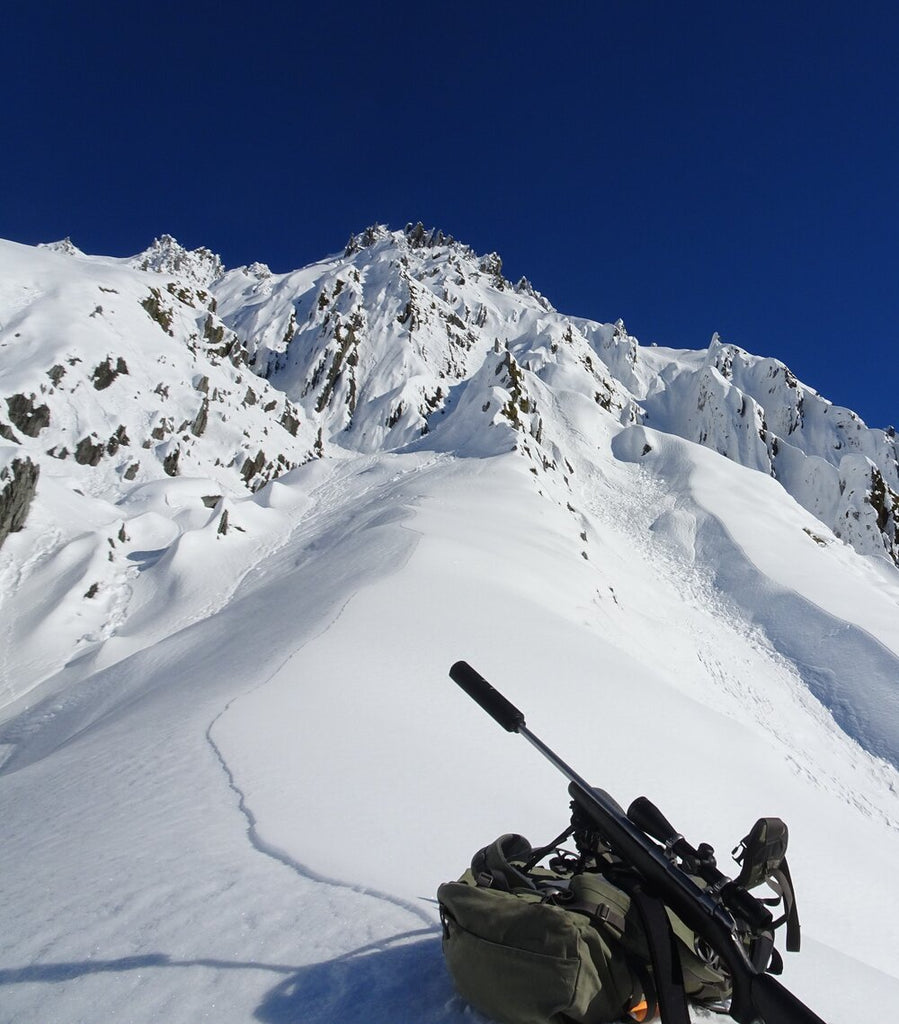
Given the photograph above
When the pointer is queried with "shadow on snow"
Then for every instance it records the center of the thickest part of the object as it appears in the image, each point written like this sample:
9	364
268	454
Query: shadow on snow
402	978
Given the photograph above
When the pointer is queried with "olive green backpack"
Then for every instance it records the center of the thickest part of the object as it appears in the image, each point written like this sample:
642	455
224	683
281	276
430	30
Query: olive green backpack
570	943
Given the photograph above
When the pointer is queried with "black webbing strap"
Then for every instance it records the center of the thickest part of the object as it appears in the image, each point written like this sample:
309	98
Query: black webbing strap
538	854
666	968
791	915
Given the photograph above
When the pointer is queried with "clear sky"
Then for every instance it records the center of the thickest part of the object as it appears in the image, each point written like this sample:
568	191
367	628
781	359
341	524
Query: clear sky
689	167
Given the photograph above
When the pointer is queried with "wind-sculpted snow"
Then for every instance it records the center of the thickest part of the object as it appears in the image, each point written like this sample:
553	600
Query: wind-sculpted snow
833	619
755	412
112	381
125	380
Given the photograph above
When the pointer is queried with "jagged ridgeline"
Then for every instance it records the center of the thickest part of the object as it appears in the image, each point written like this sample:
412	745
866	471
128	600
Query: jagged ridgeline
118	372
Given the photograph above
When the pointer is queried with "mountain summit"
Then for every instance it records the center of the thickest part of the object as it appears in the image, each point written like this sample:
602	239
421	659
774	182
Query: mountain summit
380	344
376	347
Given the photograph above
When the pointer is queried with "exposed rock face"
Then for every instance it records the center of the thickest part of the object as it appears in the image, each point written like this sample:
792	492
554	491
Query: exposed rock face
87	453
18	484
31	419
152	388
105	373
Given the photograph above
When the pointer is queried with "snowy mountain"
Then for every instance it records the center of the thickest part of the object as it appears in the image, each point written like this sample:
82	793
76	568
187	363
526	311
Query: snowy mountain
247	522
371	344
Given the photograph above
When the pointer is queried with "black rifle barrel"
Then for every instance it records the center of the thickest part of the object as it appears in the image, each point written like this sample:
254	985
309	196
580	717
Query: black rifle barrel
757	997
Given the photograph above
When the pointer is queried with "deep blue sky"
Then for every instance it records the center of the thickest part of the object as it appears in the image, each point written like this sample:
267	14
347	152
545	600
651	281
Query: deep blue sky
689	167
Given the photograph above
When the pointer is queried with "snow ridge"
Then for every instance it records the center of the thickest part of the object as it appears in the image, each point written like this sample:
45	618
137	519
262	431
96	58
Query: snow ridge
753	410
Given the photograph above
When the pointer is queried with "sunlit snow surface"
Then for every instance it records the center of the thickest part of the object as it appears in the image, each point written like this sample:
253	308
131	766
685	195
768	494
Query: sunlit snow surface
236	799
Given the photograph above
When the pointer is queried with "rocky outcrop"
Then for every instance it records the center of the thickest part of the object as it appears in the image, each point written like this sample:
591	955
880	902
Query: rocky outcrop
31	419
166	256
242	375
106	372
18	483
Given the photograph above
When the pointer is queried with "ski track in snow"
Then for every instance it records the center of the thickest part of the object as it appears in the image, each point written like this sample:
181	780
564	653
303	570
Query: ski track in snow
355	985
282	857
12	578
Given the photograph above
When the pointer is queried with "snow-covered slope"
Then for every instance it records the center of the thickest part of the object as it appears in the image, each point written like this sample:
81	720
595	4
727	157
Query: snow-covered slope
233	768
127	406
757	413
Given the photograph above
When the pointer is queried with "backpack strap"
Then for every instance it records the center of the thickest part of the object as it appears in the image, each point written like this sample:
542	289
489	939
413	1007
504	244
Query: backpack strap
492	866
782	884
598	912
762	855
668	978
551	847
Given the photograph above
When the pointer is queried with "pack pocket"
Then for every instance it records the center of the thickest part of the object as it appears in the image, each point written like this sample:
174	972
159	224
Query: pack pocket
520	961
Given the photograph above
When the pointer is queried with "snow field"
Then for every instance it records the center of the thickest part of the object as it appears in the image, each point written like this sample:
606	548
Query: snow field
340	760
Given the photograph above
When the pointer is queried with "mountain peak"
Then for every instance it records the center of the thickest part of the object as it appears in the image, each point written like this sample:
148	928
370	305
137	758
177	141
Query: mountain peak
413	236
167	256
64	245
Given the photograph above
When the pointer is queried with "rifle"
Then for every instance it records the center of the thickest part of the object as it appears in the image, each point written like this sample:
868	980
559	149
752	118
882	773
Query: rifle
634	836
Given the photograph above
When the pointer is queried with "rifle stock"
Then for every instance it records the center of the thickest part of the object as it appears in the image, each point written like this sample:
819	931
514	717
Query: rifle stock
776	1003
758	998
